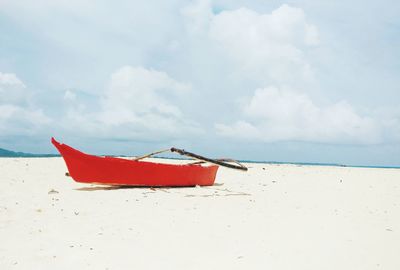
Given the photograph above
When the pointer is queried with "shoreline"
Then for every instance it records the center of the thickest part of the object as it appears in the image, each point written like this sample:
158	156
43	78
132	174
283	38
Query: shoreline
241	161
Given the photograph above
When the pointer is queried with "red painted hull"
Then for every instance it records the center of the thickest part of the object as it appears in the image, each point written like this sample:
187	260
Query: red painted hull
86	168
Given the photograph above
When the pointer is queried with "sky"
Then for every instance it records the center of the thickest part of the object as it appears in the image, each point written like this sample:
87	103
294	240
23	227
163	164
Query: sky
293	81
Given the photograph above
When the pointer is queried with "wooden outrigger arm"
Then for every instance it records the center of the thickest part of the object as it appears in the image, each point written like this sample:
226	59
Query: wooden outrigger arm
219	162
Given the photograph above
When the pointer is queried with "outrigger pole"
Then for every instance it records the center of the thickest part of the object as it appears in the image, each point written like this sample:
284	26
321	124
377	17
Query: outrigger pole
219	162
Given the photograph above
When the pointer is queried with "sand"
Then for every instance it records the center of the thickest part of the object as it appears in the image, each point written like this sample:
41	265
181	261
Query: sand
272	217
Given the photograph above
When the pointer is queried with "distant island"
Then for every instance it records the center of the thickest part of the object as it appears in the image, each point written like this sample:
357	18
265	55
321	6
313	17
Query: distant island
8	153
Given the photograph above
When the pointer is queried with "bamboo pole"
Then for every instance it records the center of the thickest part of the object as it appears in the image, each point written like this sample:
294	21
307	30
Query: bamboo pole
214	161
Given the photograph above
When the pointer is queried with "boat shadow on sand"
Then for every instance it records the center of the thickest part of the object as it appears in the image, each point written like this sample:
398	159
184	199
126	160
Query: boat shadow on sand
97	188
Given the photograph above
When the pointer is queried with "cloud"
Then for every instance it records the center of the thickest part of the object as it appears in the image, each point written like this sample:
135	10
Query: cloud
12	89
272	49
198	16
17	115
16	120
69	95
274	114
138	103
268	47
10	79
200	57
141	91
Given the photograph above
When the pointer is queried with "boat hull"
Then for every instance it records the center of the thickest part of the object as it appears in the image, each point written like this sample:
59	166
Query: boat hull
86	168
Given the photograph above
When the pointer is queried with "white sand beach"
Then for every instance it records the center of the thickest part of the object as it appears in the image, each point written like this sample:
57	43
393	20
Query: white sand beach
271	217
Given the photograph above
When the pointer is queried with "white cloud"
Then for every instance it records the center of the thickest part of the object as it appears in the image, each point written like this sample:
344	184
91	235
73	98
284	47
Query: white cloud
273	48
17	116
12	89
273	114
141	91
267	46
69	95
16	120
10	79
138	103
198	16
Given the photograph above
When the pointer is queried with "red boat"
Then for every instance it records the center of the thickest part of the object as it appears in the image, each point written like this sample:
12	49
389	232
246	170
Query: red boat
86	168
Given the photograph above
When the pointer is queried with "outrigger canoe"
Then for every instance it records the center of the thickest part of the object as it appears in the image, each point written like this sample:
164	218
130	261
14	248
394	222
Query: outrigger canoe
85	168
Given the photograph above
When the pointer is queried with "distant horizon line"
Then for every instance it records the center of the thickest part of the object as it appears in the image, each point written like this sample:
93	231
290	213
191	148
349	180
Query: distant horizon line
12	154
